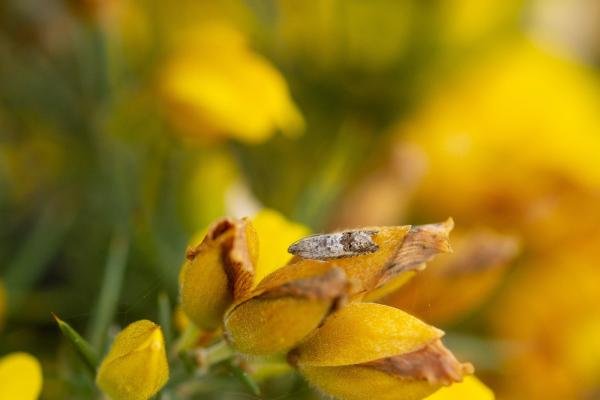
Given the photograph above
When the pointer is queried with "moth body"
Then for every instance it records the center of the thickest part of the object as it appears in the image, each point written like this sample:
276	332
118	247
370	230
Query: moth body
335	245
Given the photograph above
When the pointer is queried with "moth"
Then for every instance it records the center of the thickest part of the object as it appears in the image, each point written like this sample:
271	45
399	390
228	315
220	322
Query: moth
335	245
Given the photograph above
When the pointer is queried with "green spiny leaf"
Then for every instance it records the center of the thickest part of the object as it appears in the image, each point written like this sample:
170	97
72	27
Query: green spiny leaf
83	348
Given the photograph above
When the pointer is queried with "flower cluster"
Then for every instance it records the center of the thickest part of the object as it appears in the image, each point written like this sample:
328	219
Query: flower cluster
314	309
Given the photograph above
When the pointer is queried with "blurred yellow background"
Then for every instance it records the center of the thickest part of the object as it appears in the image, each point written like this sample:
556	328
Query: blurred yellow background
126	127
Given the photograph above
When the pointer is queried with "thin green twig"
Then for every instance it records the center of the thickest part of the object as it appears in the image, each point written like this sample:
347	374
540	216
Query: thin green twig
84	350
165	318
110	291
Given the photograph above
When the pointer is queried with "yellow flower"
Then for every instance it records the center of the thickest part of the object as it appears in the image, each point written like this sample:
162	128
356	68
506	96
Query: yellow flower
20	377
483	171
285	307
370	350
293	300
454	285
136	366
550	311
218	271
479	168
275	233
470	388
217	86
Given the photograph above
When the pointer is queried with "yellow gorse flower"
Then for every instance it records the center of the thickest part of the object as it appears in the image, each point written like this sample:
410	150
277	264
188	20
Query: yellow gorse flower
136	366
216	86
310	308
391	354
218	271
292	301
20	377
479	169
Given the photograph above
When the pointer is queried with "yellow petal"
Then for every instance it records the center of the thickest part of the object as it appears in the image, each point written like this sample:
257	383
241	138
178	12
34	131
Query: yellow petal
275	233
218	271
469	176
412	375
136	366
363	383
362	332
279	316
20	377
217	86
470	388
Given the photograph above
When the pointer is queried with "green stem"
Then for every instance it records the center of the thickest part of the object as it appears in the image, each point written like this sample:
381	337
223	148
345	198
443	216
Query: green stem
110	291
165	318
216	353
245	378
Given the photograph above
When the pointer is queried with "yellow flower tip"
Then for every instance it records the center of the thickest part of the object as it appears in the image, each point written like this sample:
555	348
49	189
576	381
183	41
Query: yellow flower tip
286	307
218	271
392	354
20	377
136	366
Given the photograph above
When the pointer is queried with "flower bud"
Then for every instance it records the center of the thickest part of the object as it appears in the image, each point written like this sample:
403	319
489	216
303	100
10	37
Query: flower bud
393	355
218	271
20	377
136	366
285	307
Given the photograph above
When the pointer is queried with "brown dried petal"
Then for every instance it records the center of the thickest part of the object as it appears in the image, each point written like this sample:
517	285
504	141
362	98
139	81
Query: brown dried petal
333	284
421	244
232	237
433	363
